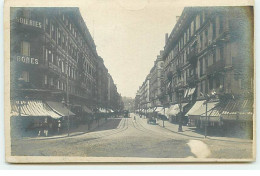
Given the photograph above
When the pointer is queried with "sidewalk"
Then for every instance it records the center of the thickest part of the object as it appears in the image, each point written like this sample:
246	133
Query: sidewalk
192	133
82	129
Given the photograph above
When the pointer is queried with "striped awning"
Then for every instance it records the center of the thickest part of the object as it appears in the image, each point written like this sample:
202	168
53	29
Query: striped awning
35	108
202	110
158	109
175	109
238	110
195	107
60	108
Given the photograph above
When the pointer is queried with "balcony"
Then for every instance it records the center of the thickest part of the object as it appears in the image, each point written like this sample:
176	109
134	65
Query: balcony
55	68
216	67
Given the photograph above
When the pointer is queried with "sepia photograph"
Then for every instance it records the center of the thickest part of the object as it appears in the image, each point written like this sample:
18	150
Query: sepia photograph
129	81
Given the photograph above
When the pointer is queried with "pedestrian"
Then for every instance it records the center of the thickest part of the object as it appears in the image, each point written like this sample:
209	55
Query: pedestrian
45	127
40	129
59	126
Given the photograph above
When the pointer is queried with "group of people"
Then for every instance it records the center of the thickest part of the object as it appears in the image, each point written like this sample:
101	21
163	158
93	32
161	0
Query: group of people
45	127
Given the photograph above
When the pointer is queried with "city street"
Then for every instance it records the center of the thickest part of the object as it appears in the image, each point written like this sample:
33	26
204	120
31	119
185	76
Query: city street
133	137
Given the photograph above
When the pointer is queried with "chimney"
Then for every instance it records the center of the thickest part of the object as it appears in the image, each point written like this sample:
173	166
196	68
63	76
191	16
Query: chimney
166	38
161	52
177	18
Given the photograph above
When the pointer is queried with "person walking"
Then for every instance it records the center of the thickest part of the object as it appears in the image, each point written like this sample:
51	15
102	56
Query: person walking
59	126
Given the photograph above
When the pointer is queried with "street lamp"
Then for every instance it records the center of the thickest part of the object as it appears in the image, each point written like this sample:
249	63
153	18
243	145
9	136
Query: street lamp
180	113
68	121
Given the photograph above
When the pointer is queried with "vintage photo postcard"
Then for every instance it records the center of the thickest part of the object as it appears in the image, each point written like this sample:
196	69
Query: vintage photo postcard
129	81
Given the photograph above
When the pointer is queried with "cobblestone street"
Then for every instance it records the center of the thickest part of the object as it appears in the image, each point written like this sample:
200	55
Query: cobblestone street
129	137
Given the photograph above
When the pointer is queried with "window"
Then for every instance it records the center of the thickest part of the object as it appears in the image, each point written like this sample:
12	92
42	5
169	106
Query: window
51	81
201	67
214	28
25	76
221	24
210	83
62	66
221	53
201	19
217	82
206	38
25	48
214	57
201	41
45	79
58	84
194	26
206	63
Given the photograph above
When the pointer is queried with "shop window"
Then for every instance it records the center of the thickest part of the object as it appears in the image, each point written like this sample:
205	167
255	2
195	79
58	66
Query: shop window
25	48
25	76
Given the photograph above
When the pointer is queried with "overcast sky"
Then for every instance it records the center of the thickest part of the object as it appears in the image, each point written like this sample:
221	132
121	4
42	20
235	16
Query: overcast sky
129	35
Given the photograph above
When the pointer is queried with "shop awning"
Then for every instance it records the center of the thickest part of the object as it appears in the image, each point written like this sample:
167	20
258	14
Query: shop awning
191	91
86	109
238	110
60	108
162	111
175	109
158	109
35	108
195	107
202	109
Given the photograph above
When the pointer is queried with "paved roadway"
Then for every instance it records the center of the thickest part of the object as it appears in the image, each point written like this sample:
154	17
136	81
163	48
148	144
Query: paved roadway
126	137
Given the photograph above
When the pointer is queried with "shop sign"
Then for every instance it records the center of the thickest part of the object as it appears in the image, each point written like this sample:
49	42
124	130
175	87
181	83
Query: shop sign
29	22
27	60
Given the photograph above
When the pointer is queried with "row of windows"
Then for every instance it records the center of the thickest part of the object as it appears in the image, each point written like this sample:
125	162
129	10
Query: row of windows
210	59
61	85
208	34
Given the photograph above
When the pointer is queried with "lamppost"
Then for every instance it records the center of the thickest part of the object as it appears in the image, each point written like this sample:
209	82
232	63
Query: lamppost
180	113
68	115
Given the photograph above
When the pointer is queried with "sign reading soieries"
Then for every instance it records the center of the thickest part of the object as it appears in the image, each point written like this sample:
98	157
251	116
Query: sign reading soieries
27	60
29	22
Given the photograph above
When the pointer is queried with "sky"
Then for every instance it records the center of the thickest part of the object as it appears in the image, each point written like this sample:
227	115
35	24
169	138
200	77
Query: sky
129	35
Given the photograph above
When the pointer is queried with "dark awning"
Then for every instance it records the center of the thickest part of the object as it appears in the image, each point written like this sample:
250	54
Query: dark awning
86	109
33	108
60	108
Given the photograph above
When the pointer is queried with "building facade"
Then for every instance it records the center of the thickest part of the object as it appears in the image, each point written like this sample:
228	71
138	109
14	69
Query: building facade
208	57
156	78
54	57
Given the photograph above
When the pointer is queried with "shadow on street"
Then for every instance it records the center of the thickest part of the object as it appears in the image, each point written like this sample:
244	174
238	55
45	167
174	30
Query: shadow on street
111	124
